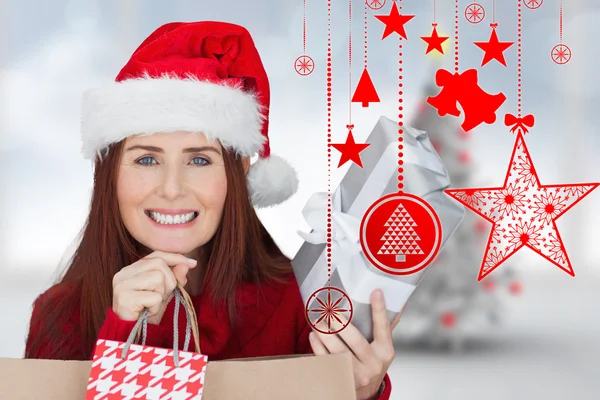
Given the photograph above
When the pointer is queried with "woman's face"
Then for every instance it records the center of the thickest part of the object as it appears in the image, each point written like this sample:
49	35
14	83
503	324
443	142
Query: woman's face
171	189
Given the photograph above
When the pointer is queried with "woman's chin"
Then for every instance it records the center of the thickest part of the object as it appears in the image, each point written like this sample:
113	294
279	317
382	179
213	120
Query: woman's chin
175	248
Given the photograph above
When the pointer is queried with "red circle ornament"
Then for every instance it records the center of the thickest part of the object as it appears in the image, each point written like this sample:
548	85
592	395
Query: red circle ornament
481	226
400	234
448	319
533	4
474	13
329	306
561	54
423	107
375	4
304	65
464	157
515	288
489	285
437	146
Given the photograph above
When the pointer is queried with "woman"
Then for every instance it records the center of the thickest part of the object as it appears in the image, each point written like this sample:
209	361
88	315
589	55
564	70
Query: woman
173	201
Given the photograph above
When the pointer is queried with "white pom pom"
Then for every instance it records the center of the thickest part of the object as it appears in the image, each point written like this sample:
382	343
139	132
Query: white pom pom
271	181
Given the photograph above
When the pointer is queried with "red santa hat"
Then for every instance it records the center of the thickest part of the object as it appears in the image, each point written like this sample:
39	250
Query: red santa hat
199	77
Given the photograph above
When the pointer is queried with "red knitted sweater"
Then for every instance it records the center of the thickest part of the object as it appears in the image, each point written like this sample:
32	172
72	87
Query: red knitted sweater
271	322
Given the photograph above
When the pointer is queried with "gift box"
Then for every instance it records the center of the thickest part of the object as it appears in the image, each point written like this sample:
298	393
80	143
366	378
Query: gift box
424	176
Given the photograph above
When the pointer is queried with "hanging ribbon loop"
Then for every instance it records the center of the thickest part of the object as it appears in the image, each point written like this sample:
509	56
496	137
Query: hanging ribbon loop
518	122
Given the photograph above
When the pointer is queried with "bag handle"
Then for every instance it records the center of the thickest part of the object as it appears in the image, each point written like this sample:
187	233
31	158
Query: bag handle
191	327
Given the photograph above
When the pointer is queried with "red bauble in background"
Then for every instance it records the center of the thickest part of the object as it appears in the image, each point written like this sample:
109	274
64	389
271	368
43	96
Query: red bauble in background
464	157
481	226
489	285
515	288
448	319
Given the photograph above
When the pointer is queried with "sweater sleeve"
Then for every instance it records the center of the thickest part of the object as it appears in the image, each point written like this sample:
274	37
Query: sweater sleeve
116	329
386	391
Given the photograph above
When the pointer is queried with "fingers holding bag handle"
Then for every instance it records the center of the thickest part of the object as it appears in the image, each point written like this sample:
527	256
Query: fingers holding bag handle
191	330
149	284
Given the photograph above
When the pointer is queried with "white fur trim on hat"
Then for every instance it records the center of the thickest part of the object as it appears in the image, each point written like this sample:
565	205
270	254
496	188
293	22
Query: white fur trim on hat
271	181
144	106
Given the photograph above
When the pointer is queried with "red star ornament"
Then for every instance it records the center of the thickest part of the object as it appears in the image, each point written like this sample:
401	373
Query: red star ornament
394	22
523	212
434	42
494	49
350	150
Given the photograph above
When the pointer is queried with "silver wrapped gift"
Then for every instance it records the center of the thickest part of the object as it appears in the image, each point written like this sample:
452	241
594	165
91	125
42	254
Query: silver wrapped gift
424	176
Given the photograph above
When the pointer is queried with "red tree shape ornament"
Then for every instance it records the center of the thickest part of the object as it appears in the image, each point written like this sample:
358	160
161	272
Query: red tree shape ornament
400	237
463	88
523	212
365	92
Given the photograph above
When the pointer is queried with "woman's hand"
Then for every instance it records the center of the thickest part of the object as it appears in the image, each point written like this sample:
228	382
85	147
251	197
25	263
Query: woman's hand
370	361
149	283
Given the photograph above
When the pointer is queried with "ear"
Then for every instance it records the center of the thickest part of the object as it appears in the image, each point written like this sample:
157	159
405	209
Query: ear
246	164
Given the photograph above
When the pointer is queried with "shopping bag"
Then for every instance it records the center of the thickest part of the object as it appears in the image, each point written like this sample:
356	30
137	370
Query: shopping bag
136	371
292	377
327	377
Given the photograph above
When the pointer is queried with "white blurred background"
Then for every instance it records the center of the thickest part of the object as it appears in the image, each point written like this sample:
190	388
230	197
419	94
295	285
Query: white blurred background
548	347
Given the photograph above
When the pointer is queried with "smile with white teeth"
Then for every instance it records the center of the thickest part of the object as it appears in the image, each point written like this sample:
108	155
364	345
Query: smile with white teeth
168	219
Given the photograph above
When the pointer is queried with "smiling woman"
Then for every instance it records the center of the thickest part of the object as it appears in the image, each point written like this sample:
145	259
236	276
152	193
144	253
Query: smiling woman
173	203
171	189
159	174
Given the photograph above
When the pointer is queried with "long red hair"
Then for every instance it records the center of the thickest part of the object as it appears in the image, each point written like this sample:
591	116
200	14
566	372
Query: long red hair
240	251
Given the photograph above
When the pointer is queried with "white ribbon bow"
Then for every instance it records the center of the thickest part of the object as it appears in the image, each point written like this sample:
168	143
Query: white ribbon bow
345	228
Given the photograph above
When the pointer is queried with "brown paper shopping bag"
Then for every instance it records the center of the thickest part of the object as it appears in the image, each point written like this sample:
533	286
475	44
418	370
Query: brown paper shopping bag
292	378
43	379
268	378
311	377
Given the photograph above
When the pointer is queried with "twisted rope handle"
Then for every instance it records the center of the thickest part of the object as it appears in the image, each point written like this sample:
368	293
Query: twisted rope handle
191	326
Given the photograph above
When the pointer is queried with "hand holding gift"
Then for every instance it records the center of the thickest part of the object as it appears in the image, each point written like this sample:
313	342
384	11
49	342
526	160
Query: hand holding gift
370	361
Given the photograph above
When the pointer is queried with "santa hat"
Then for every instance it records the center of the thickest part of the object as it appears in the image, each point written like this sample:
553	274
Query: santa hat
200	77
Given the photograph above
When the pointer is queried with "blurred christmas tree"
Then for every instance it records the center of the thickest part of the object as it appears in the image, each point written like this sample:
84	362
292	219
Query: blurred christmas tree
450	305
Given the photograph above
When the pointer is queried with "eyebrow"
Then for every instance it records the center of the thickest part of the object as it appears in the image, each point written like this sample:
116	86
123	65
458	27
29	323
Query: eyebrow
186	150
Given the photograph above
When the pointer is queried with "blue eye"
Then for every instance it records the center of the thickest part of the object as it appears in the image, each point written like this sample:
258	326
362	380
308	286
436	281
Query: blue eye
200	161
147	160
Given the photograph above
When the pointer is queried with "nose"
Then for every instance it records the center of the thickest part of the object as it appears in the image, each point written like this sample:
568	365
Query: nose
172	185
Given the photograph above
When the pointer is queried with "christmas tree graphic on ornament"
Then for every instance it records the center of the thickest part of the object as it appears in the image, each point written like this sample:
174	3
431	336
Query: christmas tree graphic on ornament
410	230
400	236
